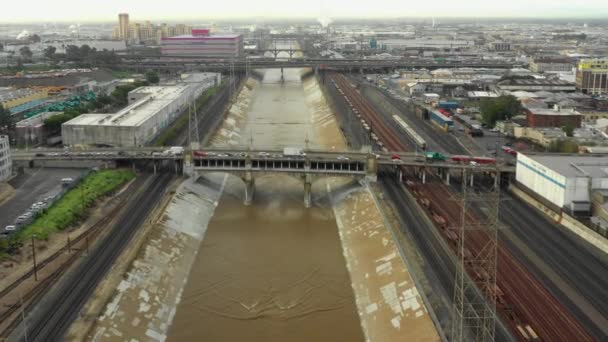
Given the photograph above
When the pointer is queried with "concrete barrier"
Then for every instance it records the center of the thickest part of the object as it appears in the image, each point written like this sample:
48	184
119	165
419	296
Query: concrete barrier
66	163
565	220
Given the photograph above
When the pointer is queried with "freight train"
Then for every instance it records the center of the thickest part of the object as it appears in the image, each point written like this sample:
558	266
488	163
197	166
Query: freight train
420	143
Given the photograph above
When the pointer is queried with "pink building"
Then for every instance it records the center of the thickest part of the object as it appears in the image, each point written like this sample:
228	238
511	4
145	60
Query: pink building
202	43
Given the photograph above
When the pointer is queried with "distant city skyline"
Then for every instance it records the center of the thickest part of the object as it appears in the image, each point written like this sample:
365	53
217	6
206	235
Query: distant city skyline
73	10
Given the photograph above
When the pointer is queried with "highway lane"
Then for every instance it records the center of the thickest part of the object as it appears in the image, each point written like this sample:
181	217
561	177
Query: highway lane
570	261
567	267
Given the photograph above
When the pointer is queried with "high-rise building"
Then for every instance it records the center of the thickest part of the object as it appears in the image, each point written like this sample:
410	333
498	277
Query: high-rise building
592	76
203	43
5	158
123	24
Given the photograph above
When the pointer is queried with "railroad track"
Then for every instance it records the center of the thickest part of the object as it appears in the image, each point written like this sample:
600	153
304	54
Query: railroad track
31	297
54	316
525	302
566	268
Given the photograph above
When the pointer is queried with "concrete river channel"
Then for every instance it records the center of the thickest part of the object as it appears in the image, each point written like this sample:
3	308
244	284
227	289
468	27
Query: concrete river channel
214	269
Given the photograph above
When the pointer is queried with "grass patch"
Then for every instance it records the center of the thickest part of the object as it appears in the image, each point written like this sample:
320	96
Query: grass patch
121	74
73	205
181	122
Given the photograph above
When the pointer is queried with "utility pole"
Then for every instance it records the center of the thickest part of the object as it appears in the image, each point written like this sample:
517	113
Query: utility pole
34	257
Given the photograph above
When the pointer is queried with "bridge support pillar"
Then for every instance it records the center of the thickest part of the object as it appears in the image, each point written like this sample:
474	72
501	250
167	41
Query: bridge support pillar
154	165
447	177
249	189
371	170
471	185
423	176
307	194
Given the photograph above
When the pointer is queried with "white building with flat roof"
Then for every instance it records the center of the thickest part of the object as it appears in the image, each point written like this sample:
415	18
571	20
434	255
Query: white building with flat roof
5	158
564	180
150	110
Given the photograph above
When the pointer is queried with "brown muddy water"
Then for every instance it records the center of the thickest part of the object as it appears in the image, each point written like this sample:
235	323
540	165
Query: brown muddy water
272	271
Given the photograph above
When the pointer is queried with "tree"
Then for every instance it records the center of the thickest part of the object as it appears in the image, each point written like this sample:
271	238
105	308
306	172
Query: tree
568	129
49	52
35	38
6	121
500	108
26	53
563	146
53	124
72	53
152	77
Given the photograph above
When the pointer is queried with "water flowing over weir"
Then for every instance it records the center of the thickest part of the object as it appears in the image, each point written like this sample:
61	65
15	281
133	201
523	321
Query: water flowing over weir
272	271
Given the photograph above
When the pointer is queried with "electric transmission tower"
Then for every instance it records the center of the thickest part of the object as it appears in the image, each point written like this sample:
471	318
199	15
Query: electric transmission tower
193	131
475	292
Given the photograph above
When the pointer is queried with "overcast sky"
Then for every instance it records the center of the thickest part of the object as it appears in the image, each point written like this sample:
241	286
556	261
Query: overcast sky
107	10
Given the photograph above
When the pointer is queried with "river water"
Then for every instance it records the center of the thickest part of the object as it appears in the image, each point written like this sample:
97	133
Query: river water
272	271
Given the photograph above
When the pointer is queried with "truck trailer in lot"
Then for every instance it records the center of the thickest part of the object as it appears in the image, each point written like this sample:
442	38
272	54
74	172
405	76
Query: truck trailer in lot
441	120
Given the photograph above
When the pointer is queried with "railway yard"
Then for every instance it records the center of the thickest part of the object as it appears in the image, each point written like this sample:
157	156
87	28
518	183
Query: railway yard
550	285
531	304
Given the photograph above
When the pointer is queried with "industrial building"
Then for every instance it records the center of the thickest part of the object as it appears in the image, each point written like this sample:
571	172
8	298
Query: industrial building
551	64
150	110
31	131
592	76
204	44
536	85
547	117
565	181
17	100
5	158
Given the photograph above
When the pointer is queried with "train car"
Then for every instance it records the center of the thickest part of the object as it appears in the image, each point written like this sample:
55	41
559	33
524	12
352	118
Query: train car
484	160
418	140
441	120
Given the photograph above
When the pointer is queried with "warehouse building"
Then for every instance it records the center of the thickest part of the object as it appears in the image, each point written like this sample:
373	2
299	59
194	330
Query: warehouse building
31	131
150	110
552	117
5	158
565	181
203	44
551	64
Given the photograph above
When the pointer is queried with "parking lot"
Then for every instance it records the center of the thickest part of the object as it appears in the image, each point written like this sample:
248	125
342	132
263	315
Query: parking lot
32	187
